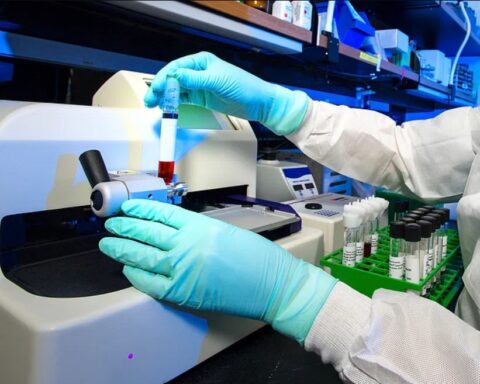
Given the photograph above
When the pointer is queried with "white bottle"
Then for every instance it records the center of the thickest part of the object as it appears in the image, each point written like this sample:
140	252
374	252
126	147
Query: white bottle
302	14
283	10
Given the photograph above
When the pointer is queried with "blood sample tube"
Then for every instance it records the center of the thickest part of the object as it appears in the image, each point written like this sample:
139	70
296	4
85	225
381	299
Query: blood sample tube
168	135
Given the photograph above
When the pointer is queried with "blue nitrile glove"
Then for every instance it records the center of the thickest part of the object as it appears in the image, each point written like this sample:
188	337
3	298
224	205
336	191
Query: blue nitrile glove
212	83
203	263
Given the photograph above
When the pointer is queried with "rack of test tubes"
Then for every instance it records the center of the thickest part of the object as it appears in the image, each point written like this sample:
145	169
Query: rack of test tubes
416	252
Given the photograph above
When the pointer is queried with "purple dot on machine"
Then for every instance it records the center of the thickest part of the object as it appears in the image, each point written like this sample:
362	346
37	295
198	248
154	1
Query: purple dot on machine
130	356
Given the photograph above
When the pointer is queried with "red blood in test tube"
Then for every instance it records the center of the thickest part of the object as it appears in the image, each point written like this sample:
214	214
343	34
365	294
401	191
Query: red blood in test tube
165	170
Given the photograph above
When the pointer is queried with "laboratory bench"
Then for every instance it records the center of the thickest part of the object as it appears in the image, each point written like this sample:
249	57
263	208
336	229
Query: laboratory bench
265	357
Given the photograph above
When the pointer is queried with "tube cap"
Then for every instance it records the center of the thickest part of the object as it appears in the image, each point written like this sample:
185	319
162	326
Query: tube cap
423	210
408	220
426	228
397	229
447	213
412	232
414	216
429	207
442	213
434	219
351	217
401	206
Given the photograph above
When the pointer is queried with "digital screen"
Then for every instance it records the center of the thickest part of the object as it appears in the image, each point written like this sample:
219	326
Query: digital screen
297	187
309	186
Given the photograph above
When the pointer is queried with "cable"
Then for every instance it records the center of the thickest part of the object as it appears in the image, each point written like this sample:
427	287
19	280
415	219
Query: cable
467	36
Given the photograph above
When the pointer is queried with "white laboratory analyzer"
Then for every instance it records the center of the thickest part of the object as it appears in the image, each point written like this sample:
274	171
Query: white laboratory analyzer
67	313
292	183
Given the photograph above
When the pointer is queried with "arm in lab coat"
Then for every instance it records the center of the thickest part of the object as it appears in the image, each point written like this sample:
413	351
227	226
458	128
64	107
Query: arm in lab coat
427	159
394	337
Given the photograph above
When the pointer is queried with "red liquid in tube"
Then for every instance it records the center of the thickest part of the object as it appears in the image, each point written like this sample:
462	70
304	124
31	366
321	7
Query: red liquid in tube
165	170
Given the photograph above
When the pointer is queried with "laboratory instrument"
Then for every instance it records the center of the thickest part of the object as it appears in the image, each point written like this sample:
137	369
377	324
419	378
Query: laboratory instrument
63	321
280	180
324	212
109	192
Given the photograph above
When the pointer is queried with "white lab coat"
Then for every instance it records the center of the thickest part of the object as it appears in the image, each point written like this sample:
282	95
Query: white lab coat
396	337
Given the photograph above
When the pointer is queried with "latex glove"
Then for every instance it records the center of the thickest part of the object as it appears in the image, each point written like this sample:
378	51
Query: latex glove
212	83
202	263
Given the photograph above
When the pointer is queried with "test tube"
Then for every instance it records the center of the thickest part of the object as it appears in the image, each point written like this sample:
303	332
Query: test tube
408	220
352	222
436	244
425	248
445	214
362	212
400	209
412	253
369	226
414	216
171	101
396	259
421	211
439	234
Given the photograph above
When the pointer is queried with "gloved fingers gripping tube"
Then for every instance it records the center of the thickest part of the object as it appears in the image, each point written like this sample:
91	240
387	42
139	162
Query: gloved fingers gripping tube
294	309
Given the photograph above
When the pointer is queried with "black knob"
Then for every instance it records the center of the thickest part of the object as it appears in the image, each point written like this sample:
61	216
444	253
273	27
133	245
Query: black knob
313	206
94	167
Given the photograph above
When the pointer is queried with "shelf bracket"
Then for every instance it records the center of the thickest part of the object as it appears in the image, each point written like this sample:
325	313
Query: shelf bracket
333	46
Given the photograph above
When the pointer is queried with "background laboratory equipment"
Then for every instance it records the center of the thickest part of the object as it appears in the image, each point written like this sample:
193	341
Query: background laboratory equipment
282	10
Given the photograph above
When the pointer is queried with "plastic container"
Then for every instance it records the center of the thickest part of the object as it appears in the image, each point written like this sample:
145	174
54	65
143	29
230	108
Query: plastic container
352	28
372	273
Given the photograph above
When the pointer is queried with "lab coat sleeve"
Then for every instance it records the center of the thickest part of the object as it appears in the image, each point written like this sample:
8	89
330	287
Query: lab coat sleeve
428	159
394	338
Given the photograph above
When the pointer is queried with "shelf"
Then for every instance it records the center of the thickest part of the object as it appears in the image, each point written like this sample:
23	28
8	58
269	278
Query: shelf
199	15
357	62
433	24
254	16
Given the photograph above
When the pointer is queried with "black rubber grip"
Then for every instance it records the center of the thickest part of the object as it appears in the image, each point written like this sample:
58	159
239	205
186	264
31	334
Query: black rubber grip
94	167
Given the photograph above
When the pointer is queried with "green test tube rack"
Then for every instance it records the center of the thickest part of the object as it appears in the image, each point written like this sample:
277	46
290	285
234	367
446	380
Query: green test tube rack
372	273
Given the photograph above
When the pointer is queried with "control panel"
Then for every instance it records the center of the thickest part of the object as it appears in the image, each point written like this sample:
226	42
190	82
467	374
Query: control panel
324	212
300	181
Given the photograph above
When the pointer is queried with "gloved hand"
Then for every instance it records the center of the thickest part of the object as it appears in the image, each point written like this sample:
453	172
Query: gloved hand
202	263
212	83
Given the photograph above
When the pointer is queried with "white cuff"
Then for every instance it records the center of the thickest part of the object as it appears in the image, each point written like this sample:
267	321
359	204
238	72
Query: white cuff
340	321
